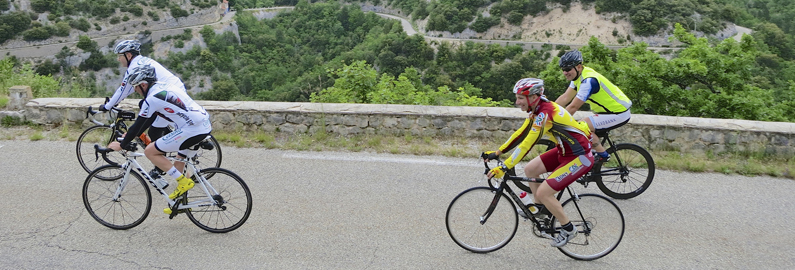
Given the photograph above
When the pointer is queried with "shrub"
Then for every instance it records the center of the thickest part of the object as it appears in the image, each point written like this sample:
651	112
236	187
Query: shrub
36	33
80	24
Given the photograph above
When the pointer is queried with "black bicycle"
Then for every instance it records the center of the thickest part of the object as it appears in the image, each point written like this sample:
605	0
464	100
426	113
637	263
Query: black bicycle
485	219
628	172
209	151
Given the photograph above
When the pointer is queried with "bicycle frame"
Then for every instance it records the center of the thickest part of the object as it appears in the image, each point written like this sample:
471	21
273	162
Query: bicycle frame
208	189
620	170
546	230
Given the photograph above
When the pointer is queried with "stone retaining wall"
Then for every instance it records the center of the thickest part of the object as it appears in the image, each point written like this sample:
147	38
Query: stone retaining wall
686	134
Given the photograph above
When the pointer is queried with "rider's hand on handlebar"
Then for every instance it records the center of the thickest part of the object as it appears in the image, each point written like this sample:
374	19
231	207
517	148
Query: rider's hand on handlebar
490	155
116	146
498	172
102	108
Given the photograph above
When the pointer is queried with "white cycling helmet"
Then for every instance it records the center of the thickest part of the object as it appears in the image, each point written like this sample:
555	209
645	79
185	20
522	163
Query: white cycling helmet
127	46
529	86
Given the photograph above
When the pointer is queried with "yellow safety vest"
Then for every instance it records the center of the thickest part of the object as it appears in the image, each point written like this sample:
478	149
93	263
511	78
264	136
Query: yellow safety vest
610	99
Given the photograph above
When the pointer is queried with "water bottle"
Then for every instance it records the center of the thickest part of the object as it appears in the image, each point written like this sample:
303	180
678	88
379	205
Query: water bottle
528	201
161	183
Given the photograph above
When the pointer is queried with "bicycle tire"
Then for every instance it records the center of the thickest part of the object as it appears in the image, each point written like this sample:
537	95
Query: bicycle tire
131	208
86	154
209	158
236	206
600	227
631	178
464	215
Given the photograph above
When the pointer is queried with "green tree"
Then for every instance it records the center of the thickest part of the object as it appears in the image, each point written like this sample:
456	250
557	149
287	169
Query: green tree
36	33
80	24
352	85
224	89
86	44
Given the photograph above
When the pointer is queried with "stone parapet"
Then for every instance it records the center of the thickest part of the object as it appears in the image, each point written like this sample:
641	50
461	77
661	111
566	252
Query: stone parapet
686	134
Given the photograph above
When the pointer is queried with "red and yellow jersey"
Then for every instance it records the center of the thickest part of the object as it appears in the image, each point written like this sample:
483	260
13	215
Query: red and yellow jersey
571	136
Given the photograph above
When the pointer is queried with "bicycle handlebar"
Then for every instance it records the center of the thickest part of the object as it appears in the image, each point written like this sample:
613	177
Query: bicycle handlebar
508	177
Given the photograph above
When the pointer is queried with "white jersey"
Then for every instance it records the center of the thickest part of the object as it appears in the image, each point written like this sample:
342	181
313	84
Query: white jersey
163	76
175	105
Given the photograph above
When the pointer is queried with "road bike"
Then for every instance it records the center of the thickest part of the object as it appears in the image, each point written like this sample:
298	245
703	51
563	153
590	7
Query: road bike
628	173
117	196
485	219
209	154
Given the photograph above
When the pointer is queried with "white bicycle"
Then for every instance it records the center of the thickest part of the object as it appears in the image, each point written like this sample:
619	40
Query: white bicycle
117	197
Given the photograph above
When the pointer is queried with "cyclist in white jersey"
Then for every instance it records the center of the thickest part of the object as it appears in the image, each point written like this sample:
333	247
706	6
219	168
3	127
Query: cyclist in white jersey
192	124
129	55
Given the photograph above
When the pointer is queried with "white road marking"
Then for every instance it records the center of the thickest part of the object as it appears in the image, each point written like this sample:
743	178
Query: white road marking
357	157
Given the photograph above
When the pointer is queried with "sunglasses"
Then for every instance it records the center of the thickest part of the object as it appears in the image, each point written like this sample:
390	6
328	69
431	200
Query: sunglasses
566	69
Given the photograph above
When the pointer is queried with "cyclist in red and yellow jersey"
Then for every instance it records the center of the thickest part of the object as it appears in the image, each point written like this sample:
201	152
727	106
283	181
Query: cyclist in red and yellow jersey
570	160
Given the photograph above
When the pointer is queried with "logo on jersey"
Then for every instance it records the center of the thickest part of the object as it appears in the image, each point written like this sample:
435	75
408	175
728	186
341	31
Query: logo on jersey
169	110
539	119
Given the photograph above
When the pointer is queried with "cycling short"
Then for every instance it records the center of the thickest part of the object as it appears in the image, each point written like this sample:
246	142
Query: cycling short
605	121
565	169
180	140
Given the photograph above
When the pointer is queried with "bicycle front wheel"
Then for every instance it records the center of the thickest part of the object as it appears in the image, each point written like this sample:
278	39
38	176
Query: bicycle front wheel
86	154
472	227
627	174
230	205
128	210
600	226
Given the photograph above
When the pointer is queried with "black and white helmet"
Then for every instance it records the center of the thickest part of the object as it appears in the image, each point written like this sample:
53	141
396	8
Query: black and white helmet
570	59
140	74
127	46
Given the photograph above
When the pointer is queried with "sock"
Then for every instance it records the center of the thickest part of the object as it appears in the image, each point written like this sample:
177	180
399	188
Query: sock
568	227
603	154
174	173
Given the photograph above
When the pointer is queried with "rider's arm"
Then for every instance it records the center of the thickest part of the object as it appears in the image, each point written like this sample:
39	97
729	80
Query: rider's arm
122	92
517	137
536	131
588	87
575	105
566	97
137	128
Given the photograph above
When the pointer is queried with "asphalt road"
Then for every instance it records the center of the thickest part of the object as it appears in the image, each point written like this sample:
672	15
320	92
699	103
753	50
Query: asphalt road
335	210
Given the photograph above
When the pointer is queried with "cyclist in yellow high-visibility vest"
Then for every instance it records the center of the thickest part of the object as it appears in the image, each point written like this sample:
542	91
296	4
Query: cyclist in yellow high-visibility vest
610	105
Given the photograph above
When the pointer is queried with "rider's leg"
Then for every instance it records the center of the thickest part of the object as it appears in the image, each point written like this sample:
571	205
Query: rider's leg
545	195
541	164
571	168
595	141
158	158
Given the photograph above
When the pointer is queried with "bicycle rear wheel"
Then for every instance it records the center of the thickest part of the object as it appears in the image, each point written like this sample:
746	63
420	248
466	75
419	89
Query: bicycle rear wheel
466	213
131	207
627	174
600	227
86	154
232	202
